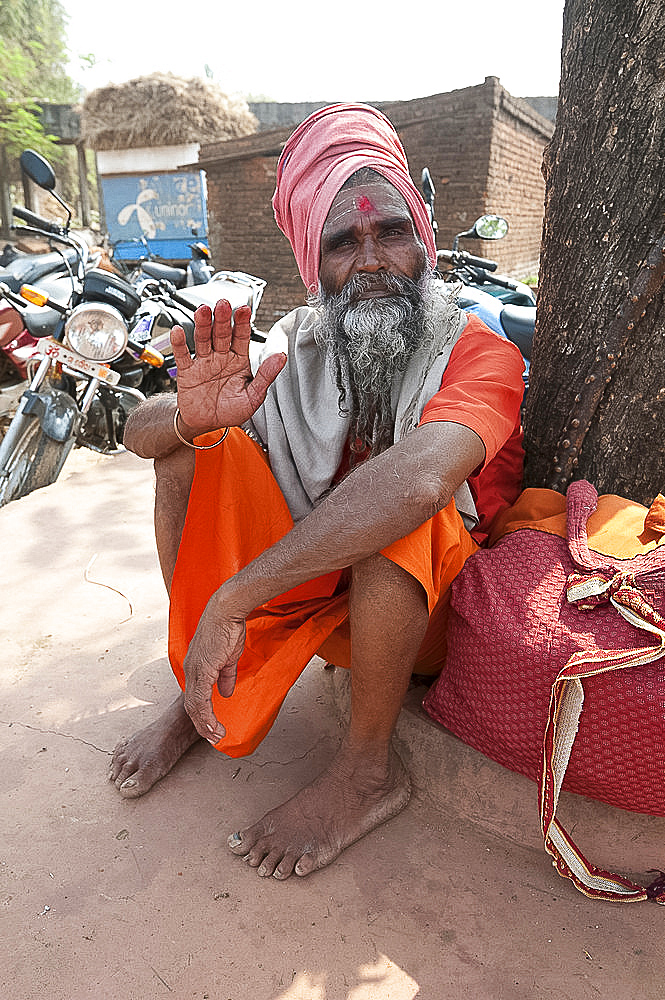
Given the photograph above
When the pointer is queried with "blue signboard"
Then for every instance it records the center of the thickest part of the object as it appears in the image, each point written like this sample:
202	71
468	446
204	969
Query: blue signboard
168	211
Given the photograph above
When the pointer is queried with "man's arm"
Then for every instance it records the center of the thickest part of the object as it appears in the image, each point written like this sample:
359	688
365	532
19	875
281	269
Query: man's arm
382	500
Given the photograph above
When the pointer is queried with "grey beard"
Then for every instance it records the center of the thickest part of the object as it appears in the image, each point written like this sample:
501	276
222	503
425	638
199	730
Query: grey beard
368	343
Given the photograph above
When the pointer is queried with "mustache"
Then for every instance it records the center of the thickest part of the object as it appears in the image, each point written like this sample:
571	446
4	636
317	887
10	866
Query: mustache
393	284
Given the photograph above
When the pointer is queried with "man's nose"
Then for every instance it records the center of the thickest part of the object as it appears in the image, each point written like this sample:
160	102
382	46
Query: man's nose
369	256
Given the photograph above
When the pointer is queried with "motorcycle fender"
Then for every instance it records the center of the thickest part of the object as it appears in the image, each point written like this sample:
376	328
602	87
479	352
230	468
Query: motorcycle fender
56	411
11	325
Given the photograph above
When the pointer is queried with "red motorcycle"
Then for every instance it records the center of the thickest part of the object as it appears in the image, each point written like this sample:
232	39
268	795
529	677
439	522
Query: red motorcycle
18	353
18	321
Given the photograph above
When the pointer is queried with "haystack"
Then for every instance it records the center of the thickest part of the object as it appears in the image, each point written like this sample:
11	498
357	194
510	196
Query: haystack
162	110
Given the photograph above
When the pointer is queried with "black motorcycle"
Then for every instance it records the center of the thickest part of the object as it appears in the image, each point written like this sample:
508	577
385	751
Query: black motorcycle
92	372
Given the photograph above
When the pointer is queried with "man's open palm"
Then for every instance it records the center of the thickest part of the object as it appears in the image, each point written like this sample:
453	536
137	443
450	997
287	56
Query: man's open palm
215	386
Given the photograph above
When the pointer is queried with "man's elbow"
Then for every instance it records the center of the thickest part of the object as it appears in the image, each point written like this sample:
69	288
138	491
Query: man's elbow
433	493
134	438
448	454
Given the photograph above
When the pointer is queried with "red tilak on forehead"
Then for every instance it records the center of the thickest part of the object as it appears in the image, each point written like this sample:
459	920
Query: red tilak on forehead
364	204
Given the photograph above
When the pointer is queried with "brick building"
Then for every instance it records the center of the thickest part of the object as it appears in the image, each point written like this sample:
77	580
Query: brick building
483	147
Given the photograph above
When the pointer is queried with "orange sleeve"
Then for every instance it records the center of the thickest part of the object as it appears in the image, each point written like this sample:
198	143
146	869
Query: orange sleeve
482	387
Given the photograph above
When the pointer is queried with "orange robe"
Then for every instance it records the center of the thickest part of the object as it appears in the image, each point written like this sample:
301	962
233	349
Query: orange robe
236	511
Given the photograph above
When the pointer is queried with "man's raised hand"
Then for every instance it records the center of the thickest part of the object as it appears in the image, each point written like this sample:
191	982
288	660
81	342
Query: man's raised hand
215	386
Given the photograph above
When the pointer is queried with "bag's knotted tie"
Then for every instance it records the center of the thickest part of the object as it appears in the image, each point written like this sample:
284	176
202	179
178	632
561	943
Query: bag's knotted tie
626	593
588	590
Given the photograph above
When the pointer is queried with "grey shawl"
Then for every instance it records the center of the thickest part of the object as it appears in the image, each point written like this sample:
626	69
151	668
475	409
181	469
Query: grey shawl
300	425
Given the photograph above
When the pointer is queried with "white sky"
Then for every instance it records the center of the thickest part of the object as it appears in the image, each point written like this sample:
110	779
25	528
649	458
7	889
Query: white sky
323	50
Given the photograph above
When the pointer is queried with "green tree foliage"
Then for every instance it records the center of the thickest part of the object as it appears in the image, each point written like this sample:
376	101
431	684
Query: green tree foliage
33	54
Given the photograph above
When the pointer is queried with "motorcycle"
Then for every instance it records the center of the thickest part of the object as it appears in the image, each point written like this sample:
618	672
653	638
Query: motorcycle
21	325
86	371
505	305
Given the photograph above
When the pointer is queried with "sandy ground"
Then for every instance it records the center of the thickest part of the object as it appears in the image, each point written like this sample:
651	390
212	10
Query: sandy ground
134	900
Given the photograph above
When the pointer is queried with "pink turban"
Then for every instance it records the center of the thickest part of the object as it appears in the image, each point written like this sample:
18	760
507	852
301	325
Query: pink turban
319	157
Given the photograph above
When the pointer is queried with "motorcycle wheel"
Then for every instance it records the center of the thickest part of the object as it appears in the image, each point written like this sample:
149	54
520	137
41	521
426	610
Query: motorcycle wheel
36	461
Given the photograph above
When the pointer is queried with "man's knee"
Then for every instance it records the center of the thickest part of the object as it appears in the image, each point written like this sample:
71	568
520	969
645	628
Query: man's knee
383	581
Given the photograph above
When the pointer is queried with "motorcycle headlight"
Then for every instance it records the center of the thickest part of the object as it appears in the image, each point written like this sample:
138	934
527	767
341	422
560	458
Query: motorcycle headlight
96	331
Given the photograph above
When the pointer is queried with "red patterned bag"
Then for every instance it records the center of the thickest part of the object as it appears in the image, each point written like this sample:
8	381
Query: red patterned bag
544	636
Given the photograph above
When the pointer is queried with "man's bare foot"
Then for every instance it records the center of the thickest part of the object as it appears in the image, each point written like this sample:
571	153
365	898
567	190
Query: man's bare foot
141	760
350	798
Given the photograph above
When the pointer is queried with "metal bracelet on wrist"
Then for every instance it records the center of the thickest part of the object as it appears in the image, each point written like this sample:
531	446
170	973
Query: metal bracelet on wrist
196	447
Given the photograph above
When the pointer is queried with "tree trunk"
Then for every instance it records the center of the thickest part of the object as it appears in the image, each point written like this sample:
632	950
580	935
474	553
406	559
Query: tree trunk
5	200
596	404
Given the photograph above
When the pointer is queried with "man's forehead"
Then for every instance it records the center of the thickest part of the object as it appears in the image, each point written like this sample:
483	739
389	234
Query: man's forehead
367	198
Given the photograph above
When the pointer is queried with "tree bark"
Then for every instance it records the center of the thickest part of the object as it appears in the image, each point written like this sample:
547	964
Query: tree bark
5	200
596	405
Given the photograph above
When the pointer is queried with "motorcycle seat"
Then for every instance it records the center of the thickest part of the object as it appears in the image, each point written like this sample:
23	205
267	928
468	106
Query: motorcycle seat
518	323
29	269
163	272
210	293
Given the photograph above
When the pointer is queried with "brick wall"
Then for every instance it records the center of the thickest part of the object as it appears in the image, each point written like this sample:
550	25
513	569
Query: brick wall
483	149
243	234
451	134
515	185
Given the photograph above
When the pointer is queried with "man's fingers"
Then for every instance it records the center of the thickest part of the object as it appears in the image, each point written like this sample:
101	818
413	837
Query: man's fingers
226	681
242	330
265	376
183	358
198	704
203	326
211	661
199	708
222	331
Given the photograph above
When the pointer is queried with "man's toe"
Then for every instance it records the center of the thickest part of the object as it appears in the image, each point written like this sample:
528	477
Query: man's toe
269	864
251	844
122	773
130	788
305	865
235	843
286	866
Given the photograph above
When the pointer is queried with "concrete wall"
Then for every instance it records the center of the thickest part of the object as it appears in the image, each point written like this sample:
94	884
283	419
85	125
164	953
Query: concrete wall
146	160
484	151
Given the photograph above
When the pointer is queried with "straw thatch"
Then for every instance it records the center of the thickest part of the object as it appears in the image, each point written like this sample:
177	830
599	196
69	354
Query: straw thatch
162	110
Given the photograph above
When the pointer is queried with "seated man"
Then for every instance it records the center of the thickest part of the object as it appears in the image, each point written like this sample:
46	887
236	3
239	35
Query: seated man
334	514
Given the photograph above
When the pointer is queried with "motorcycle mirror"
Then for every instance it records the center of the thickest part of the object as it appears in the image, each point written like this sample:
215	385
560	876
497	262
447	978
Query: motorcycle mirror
490	227
41	172
38	169
429	194
428	185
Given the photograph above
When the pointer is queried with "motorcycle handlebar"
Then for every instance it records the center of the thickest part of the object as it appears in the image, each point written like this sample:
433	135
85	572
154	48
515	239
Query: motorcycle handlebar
459	258
502	282
37	221
6	293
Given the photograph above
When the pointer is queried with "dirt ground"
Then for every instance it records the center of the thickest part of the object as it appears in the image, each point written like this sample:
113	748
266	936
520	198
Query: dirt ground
135	900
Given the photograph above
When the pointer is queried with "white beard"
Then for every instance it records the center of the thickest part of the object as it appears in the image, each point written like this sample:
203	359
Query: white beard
367	343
